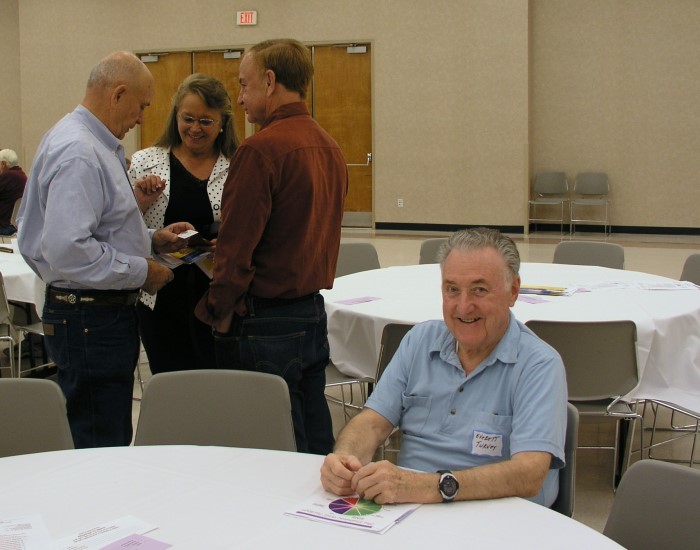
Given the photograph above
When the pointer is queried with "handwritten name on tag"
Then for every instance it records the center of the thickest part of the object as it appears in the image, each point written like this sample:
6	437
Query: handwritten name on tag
487	444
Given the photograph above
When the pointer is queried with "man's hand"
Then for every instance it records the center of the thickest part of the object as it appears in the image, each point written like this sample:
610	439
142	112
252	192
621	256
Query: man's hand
147	190
337	473
386	483
158	276
167	240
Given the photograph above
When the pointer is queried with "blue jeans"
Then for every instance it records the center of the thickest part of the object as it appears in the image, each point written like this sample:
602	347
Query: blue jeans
287	338
96	350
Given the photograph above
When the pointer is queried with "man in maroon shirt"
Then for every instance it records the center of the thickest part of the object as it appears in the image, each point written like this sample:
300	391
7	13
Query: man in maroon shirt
279	237
12	182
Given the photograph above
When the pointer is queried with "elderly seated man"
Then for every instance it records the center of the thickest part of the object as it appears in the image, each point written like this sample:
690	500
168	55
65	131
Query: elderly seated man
480	400
12	182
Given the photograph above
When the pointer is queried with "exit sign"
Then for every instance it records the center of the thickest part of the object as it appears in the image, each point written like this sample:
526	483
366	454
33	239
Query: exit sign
247	17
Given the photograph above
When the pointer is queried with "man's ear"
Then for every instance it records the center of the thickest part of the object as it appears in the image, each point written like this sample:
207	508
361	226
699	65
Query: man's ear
270	80
118	93
515	290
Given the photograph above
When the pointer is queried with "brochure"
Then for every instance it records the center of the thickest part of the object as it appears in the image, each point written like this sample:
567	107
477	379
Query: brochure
353	512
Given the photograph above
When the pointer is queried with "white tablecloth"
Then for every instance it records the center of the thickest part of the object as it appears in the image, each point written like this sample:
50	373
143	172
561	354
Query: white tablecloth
225	498
668	322
21	283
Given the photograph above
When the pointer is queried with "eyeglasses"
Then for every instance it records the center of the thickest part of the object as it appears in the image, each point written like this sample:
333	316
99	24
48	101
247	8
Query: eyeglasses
204	122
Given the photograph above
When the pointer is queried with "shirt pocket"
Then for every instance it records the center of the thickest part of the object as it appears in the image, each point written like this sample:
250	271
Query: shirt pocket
415	410
490	435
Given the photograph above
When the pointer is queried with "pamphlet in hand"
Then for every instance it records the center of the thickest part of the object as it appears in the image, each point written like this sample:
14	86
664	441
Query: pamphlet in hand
198	251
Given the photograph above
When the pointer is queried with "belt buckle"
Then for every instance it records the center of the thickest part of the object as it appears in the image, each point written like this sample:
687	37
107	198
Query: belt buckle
68	298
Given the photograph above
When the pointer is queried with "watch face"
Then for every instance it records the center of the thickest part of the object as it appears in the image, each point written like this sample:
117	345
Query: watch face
448	485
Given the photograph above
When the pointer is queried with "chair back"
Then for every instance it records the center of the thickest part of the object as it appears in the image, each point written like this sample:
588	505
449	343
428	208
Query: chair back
592	183
429	250
691	269
392	335
600	357
356	257
656	506
564	503
550	183
590	253
228	408
32	417
15	211
5	318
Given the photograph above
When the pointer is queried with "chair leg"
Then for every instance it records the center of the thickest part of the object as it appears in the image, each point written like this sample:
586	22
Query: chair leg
140	380
11	353
20	339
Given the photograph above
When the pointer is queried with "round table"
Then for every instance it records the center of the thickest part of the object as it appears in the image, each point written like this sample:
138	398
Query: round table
668	321
21	283
223	498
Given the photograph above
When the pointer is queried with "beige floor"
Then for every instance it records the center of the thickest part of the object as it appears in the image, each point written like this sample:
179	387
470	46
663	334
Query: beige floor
658	254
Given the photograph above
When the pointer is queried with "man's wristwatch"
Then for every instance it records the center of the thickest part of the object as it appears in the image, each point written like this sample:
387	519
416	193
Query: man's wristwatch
448	485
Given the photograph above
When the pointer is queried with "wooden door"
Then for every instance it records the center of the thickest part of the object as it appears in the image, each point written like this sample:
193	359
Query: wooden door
168	70
339	99
342	104
224	66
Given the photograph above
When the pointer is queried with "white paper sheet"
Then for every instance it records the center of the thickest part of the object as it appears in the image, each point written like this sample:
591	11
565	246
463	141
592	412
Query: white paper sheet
24	533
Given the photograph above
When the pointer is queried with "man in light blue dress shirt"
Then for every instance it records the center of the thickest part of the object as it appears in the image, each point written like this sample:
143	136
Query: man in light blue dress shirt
480	400
82	232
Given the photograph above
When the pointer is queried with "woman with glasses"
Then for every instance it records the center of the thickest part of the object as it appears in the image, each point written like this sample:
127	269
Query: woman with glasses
182	177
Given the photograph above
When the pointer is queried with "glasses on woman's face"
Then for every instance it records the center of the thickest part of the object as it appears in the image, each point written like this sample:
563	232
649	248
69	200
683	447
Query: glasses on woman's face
203	122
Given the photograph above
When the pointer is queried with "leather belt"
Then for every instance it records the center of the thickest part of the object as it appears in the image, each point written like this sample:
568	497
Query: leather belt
81	297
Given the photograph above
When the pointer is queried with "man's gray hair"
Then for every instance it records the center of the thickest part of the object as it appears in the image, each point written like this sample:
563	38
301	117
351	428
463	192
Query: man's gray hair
10	157
483	237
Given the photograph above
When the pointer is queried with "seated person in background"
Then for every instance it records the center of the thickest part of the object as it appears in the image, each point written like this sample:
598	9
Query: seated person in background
12	182
480	400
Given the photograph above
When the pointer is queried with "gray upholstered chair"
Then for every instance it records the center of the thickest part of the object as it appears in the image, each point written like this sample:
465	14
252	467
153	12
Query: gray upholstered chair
691	269
590	253
32	417
551	192
564	503
228	408
429	250
656	506
392	335
356	257
600	358
590	203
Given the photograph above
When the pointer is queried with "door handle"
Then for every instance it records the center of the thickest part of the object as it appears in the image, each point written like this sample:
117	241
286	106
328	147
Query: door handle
369	161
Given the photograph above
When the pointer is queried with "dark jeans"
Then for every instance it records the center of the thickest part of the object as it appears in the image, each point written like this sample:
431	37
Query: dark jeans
96	350
287	338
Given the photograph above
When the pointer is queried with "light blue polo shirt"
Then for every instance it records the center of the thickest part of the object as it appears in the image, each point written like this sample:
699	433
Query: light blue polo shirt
514	401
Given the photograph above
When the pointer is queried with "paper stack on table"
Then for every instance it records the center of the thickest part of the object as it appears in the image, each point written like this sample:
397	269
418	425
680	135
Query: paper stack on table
352	512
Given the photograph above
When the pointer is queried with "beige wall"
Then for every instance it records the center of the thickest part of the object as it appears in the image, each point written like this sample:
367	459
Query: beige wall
616	87
611	82
10	121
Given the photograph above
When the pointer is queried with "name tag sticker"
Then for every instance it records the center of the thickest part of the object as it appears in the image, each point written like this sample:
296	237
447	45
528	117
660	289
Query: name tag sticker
487	444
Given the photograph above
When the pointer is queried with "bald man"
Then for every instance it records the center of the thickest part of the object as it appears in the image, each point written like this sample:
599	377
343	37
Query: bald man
82	232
